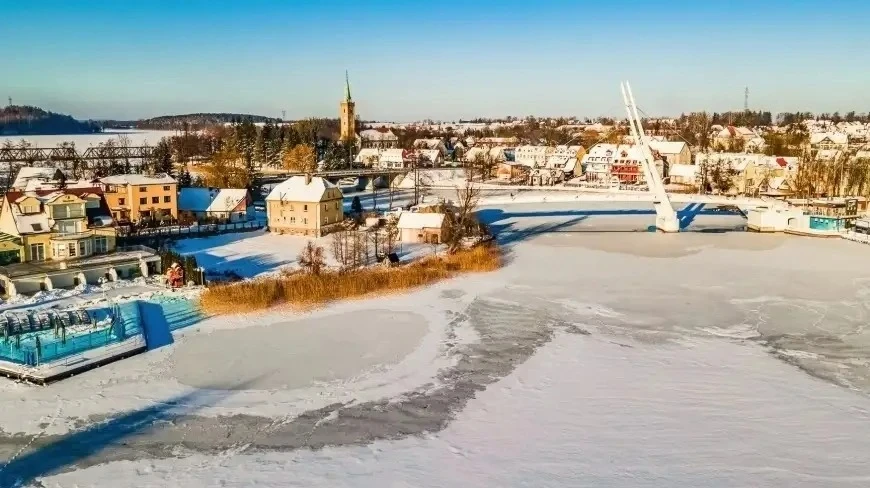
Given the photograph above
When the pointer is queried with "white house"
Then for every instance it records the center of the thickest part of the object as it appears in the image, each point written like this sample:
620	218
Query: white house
533	156
429	157
393	159
829	140
227	204
417	227
434	143
368	156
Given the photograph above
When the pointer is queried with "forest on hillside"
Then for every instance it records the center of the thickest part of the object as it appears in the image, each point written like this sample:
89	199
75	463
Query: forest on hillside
27	121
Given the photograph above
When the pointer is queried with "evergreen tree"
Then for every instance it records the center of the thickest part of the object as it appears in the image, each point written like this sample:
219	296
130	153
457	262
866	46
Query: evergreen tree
356	205
184	179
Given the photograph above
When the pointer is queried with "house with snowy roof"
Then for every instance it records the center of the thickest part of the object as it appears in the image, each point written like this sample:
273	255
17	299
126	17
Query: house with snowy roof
382	138
731	137
305	205
423	227
61	238
135	197
829	140
213	204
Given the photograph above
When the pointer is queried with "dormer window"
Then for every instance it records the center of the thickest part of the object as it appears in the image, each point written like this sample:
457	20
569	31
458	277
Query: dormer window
30	209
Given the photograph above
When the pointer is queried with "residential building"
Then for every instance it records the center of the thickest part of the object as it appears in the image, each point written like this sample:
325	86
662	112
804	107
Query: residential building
368	156
751	171
56	235
213	204
495	141
617	163
418	227
511	171
378	138
683	174
429	157
37	174
829	140
435	143
533	156
395	159
731	137
305	205
565	158
674	152
347	114
133	197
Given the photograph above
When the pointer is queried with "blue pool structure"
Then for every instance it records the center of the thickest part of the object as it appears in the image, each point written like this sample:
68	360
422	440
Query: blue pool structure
151	321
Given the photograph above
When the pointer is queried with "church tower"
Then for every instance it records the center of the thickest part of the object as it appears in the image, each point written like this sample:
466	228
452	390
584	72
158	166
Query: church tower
348	115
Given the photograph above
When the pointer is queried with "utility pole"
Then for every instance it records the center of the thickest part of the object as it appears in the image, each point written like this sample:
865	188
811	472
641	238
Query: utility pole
283	115
10	101
746	99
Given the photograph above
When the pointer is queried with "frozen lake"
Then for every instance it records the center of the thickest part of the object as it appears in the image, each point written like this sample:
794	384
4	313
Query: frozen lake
136	138
601	355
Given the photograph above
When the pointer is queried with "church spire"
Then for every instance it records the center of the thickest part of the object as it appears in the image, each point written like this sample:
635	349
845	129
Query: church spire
346	87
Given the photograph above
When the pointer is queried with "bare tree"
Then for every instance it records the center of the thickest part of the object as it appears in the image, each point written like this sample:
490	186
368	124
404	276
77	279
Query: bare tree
462	223
340	247
311	258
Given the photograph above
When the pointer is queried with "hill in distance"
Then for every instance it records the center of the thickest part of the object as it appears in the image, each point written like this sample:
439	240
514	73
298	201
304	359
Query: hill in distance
196	121
25	120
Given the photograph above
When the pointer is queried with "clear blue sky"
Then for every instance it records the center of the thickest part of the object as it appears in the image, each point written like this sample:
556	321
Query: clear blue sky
409	60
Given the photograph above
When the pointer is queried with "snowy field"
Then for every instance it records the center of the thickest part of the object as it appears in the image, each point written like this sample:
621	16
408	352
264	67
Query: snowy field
136	137
601	355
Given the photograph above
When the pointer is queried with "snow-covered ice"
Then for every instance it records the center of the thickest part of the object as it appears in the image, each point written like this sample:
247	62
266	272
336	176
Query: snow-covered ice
597	357
83	141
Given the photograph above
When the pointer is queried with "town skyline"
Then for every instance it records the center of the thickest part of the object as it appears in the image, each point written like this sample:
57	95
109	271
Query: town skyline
106	60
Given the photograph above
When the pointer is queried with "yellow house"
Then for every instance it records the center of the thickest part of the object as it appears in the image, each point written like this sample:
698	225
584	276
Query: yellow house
305	205
62	238
132	197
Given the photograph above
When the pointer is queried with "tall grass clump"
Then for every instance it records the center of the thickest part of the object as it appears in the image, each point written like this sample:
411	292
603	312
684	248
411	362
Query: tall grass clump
309	289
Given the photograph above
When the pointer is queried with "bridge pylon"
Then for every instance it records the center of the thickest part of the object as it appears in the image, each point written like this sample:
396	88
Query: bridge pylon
666	216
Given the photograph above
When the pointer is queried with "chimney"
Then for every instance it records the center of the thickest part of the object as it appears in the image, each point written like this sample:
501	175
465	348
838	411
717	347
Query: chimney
307	178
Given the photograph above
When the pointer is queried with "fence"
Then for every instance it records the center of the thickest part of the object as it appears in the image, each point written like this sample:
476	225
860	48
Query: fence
129	235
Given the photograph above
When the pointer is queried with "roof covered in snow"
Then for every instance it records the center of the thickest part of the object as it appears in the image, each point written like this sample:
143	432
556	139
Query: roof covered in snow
134	179
417	220
668	147
210	199
296	189
39	174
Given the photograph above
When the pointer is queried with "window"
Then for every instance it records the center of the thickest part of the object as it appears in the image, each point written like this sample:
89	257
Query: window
71	211
121	201
29	209
155	199
60	250
292	220
336	205
143	189
167	199
143	201
72	249
66	226
37	252
36	227
165	188
305	208
101	244
83	248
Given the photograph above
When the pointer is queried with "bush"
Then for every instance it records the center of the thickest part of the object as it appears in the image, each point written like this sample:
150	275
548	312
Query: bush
307	289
